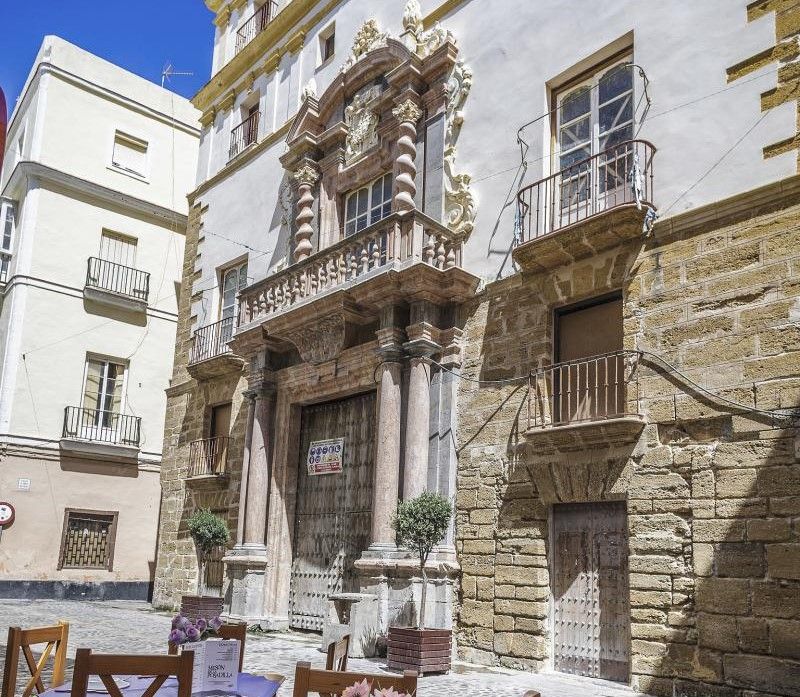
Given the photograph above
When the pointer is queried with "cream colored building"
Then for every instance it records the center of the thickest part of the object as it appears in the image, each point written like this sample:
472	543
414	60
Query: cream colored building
97	167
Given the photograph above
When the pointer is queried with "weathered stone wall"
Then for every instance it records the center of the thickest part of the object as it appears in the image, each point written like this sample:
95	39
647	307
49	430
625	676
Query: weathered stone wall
189	403
712	489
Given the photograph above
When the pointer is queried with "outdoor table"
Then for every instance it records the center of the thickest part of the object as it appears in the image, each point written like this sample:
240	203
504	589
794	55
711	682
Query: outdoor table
248	686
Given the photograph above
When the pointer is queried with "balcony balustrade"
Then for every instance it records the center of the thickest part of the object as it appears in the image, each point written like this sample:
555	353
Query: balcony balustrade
393	242
5	264
620	175
595	389
244	135
208	457
99	426
256	24
212	340
110	277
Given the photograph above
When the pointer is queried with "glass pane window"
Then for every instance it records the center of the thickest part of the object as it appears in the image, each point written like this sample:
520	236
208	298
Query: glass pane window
102	391
233	280
130	153
368	205
7	221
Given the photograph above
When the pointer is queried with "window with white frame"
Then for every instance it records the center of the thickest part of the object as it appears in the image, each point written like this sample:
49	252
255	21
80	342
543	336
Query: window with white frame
103	390
232	280
327	44
368	205
593	118
130	153
7	221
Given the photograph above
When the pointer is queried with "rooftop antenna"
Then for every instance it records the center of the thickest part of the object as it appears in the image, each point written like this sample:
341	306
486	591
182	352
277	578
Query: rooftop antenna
169	71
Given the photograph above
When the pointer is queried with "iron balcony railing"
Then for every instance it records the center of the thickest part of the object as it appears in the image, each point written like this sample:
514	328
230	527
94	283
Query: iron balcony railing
617	176
208	456
245	134
101	426
116	278
589	389
212	340
396	240
256	24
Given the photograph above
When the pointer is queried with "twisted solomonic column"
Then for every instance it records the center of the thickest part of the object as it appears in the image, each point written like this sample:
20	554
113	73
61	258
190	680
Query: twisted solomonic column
407	113
305	177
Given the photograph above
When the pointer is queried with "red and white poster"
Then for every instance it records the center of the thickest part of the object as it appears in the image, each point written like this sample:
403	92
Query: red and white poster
325	456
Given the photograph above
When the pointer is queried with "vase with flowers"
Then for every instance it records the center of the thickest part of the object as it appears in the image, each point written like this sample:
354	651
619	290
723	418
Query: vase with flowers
185	630
364	689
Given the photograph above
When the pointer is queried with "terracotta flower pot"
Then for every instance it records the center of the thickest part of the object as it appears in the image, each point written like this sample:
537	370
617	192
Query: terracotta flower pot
423	650
194	606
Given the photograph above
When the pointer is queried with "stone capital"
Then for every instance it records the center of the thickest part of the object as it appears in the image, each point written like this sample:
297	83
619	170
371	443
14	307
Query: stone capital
390	344
307	175
421	348
407	111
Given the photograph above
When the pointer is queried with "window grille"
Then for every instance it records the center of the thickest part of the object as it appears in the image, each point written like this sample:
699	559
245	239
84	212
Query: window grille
88	540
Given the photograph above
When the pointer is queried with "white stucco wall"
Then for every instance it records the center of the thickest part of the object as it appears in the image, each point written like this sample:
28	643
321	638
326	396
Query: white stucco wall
517	49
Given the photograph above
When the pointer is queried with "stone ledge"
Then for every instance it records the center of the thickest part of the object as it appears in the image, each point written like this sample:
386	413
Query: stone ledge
216	366
99	450
206	480
112	299
588	434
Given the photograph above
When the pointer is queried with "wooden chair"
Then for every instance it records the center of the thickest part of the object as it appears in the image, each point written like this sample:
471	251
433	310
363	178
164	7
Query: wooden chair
108	665
337	654
22	640
236	631
308	681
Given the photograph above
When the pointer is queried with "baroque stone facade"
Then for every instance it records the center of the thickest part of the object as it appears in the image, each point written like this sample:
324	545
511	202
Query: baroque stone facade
711	484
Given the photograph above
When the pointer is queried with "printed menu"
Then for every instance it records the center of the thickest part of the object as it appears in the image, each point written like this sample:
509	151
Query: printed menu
216	665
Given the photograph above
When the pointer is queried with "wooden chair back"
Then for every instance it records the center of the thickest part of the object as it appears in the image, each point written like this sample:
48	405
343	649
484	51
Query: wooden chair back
308	681
21	640
106	666
236	631
337	654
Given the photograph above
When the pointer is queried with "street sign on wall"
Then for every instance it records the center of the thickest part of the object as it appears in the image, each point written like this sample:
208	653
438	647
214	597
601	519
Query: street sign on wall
325	456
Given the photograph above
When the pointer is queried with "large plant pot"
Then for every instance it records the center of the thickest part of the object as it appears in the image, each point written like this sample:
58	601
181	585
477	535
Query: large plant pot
423	650
194	606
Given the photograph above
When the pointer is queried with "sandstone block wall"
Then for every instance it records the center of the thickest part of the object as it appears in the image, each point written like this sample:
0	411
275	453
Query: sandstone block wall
712	489
189	403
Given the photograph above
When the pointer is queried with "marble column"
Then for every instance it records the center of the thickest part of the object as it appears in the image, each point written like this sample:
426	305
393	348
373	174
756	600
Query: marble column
249	396
418	416
387	457
258	472
407	113
306	176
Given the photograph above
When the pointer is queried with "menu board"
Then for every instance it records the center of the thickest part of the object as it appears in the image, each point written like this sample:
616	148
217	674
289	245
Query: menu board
216	665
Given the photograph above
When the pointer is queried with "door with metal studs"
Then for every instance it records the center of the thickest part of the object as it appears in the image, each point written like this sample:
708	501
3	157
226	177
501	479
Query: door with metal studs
333	512
591	615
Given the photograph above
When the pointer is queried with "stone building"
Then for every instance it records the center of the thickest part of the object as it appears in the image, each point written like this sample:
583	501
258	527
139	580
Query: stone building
92	224
543	266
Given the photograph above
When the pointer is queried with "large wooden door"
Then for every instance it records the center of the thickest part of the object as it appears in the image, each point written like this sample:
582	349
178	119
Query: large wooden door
591	618
333	511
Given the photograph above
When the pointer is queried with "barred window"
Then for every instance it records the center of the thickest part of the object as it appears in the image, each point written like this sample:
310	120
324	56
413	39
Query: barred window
88	540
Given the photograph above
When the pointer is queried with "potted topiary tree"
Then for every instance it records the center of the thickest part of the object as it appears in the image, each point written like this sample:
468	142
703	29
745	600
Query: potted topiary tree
208	531
421	524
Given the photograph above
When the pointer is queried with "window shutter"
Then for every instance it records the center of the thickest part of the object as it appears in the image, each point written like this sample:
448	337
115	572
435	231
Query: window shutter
130	153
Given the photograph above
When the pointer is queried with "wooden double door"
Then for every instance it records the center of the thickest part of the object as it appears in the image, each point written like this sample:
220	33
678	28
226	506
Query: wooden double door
591	615
333	512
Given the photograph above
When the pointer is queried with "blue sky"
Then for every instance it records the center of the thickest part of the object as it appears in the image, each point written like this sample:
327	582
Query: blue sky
141	36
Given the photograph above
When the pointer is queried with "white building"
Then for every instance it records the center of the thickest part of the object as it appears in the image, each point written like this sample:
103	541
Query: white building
97	168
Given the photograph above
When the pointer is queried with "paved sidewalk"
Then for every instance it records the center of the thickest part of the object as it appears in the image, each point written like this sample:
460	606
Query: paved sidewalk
133	628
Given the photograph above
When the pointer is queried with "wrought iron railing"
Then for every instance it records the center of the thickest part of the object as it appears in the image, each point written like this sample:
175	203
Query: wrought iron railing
256	24
212	340
208	456
620	175
397	239
116	278
245	134
589	389
101	426
5	264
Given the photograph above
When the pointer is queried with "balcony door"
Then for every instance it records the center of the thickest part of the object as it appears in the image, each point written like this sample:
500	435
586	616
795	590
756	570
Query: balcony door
102	400
220	430
589	377
594	120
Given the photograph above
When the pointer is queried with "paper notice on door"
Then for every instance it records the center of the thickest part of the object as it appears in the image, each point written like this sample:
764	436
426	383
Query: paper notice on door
216	665
325	456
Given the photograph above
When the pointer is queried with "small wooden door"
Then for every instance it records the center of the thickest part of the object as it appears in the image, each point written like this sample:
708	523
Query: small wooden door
333	513
591	618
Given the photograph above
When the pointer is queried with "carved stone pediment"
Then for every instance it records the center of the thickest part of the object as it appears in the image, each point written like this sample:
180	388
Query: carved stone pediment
321	340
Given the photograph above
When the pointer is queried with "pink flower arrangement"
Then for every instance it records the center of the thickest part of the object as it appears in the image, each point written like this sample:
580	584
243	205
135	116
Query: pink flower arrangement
183	629
362	689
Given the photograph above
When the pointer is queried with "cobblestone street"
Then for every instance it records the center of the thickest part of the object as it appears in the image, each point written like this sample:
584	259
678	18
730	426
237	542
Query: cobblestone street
134	628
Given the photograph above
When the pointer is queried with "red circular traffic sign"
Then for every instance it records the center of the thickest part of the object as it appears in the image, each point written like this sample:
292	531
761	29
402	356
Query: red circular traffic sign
6	513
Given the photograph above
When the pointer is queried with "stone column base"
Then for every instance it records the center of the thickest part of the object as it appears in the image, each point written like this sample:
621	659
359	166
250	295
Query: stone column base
396	581
246	571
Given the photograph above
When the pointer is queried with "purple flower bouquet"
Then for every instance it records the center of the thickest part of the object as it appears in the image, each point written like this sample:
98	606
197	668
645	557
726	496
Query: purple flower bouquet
184	630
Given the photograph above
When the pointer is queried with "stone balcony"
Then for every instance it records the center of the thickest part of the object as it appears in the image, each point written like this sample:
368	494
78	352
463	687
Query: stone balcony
591	206
319	303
